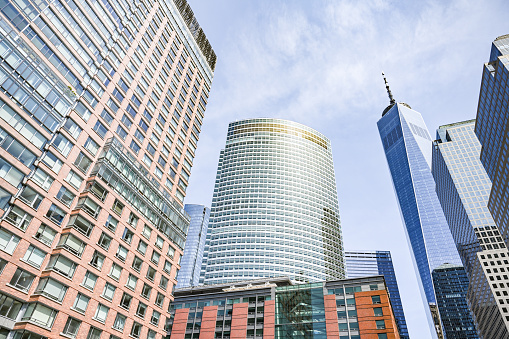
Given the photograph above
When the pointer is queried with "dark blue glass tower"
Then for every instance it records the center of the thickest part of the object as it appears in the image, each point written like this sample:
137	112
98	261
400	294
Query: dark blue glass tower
407	146
368	263
189	274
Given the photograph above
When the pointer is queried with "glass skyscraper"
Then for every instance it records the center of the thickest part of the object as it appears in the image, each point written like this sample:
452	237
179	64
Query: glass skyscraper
463	188
451	284
407	146
190	265
361	264
274	210
101	106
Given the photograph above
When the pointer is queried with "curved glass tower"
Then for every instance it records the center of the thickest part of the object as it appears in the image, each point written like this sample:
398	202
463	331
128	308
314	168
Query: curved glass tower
275	209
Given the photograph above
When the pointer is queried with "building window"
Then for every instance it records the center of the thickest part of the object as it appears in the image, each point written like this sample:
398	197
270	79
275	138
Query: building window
72	244
101	313
117	207
115	271
126	301
88	205
109	291
74	179
137	263
128	235
104	241
22	280
154	320
65	196
382	335
56	214
167	267
97	260
51	288
163	282
380	324
146	291
119	322
151	273
80	224
81	303
136	330
100	129
94	333
9	307
89	280
132	220
171	252
159	242
71	327
378	311
29	196
131	282
91	146
111	223
83	162
376	299
147	231
19	218
142	247
8	241
159	299
155	257
34	256
62	265
42	179
45	234
141	310
40	315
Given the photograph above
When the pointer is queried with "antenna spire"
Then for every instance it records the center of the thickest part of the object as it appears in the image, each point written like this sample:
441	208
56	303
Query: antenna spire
391	98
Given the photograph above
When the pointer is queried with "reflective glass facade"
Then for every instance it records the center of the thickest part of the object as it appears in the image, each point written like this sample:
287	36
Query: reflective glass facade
190	265
101	106
367	263
463	188
407	146
274	210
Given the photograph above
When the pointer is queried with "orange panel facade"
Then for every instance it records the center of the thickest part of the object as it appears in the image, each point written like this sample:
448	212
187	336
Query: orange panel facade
179	324
269	319
239	321
208	323
370	310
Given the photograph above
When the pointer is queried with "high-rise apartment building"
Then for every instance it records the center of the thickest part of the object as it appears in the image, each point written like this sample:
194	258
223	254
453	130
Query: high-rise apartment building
492	124
361	264
190	265
463	188
274	209
451	285
277	308
407	146
101	104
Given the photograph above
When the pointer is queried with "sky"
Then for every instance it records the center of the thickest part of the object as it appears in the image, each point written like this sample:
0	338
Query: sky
319	63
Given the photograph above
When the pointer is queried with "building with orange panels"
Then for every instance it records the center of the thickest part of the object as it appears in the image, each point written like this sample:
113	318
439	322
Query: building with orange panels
277	308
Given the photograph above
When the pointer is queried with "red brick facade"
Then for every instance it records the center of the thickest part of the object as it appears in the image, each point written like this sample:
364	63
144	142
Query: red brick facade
269	319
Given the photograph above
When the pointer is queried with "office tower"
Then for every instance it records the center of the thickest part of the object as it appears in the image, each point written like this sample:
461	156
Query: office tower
463	188
101	104
274	209
190	265
492	127
361	264
278	308
407	146
451	284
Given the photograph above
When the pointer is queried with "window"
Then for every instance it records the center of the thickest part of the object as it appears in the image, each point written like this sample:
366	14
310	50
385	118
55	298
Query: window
159	299
126	121
128	235
22	280
159	242
146	291
382	335
10	174
126	301
131	282
30	197
89	280
151	273
107	117
34	256
62	265
163	283
380	324
91	146
72	243
151	334
137	262
88	205
56	214
167	267
97	190
81	303
378	311
111	223
45	234
132	220
141	310
101	313
73	128
80	224
52	162
8	241
74	179
97	260
121	132
119	322
155	257
42	179
154	320
135	147
147	231
171	252
115	271
62	144
94	333
100	129
142	247
117	207
18	218
104	241
65	196
136	330
40	315
121	253
71	327
109	291
376	299
51	288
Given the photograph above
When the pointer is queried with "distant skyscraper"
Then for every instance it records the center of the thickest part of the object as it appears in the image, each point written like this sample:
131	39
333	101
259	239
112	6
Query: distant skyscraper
463	188
451	284
492	128
407	147
101	106
189	274
274	210
369	263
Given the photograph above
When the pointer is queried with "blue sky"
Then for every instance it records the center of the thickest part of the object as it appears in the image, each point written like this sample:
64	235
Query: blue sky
319	63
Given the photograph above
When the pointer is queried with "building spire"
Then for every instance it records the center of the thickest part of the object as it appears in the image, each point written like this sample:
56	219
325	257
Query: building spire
391	98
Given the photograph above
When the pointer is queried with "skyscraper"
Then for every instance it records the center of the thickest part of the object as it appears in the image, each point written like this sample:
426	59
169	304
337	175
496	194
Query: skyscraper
190	265
407	146
451	284
492	124
274	209
463	188
369	263
101	105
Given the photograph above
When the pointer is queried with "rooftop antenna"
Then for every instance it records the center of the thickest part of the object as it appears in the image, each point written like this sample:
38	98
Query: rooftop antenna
391	98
